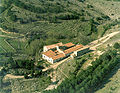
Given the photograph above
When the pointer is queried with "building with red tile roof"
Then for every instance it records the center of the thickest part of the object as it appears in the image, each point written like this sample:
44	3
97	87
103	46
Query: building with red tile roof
72	49
46	48
69	44
54	53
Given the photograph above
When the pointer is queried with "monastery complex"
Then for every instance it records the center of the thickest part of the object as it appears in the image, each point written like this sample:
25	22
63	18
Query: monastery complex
57	52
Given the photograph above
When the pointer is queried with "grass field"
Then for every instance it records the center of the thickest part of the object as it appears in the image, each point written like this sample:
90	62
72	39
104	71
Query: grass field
6	46
11	42
66	68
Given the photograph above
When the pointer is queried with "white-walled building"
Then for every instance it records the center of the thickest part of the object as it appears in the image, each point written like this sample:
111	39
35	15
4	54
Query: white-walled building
56	52
46	48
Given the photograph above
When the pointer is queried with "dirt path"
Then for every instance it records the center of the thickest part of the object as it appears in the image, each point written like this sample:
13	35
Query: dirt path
102	40
62	72
55	65
9	32
5	31
7	36
13	76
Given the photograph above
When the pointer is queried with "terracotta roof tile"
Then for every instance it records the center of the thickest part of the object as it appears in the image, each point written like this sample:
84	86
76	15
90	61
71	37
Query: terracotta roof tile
55	55
49	53
85	47
54	45
69	44
58	56
73	49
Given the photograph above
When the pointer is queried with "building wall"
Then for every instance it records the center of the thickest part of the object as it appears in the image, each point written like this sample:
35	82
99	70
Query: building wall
69	54
47	58
45	49
57	60
81	52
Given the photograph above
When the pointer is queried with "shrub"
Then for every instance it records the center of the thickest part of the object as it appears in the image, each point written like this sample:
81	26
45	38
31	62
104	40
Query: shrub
116	46
26	76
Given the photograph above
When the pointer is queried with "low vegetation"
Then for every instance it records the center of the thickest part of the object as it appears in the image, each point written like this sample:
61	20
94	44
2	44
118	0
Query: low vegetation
117	45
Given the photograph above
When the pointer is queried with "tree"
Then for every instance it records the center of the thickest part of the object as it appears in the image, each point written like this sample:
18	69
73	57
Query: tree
116	45
13	17
9	62
34	47
38	73
82	18
26	76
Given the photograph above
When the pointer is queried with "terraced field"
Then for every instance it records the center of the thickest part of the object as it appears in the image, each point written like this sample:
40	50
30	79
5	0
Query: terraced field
17	43
5	46
9	43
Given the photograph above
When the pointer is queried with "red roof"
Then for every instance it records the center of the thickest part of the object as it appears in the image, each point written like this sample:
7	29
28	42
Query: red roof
57	55
73	49
69	44
54	45
49	53
53	55
61	55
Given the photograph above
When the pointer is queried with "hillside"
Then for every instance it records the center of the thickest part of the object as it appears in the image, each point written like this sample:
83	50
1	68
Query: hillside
27	25
108	7
40	19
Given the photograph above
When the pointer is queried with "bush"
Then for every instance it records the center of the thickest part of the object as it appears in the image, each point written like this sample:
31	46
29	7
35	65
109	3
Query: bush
26	76
116	46
68	16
